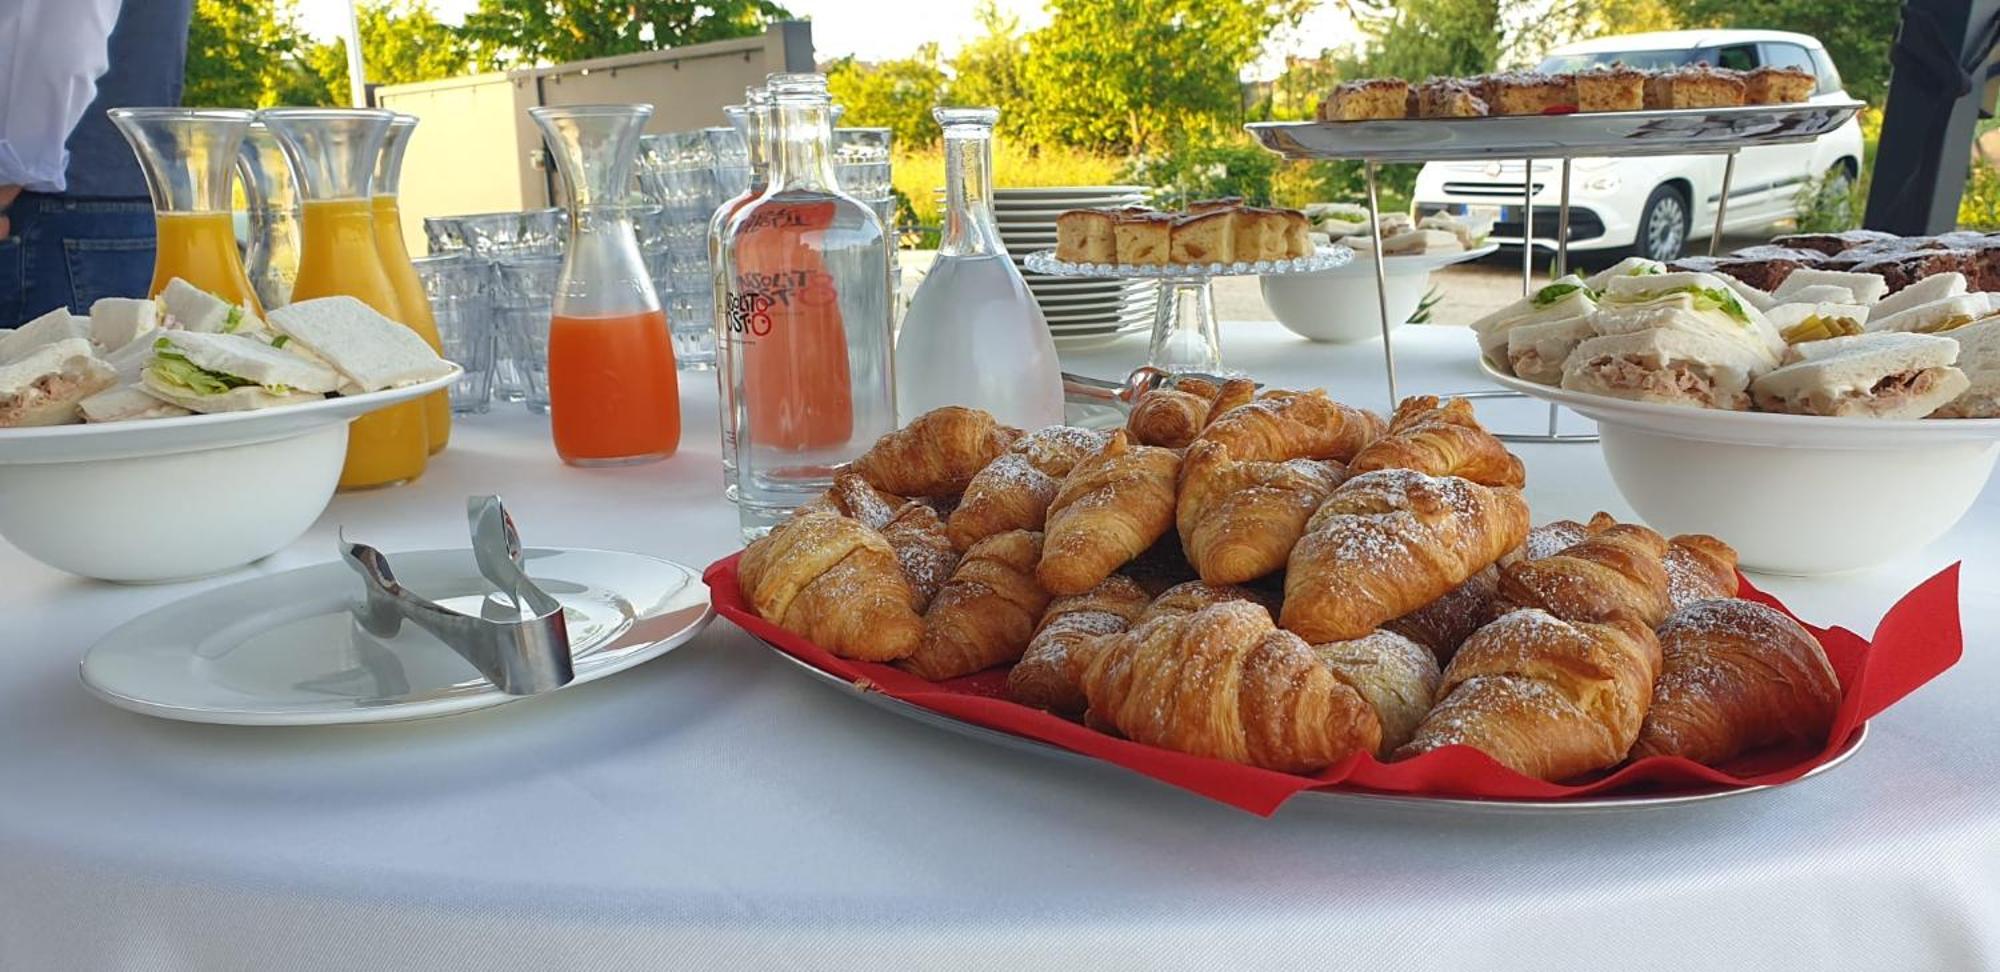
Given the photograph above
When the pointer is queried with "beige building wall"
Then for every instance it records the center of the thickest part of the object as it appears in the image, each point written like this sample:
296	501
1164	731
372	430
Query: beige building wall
476	150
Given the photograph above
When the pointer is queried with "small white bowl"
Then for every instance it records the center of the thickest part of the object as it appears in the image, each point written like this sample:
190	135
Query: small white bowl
1338	306
1794	494
178	498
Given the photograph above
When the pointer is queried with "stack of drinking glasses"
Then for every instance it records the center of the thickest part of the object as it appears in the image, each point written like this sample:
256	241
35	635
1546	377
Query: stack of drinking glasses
678	176
518	301
459	286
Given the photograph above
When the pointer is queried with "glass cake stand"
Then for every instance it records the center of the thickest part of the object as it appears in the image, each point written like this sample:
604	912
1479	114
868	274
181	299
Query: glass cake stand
1185	335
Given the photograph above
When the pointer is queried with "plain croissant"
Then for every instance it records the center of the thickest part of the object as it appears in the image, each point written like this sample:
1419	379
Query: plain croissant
1111	508
1224	682
1172	417
1013	492
937	454
1294	425
1546	697
1736	676
1239	520
835	582
1397	676
1389	542
1441	440
985	614
1042	677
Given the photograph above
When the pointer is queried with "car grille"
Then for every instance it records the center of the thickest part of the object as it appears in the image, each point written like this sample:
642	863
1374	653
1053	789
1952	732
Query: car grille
1488	190
1583	225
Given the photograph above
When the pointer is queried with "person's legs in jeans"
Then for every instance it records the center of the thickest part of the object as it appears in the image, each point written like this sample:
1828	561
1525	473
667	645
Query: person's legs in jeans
69	251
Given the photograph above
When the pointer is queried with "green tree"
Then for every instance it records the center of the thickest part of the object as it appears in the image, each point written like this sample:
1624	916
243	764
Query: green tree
248	54
897	95
512	33
1857	33
401	41
1416	39
987	71
1133	75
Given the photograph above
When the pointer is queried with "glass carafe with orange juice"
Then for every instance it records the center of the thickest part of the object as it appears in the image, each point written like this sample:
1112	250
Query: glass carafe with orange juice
402	273
614	395
188	156
333	152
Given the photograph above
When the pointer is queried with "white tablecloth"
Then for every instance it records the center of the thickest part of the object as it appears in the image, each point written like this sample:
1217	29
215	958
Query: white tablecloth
716	807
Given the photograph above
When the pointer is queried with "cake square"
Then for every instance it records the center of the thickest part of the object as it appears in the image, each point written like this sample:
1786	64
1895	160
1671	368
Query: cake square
1527	93
1447	98
1769	85
1694	86
1204	236
1260	235
1611	88
1085	236
1298	234
1143	238
1367	98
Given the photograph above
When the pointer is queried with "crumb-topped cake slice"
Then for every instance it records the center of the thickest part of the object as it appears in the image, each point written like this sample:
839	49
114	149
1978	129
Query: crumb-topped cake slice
1612	87
1526	92
1770	85
1694	86
1447	98
1366	98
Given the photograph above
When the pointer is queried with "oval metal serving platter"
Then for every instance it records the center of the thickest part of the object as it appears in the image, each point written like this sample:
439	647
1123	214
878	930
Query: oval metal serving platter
1326	797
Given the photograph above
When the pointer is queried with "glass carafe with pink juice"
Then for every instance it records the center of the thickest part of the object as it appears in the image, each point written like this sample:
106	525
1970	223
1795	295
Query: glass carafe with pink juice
812	377
614	396
974	335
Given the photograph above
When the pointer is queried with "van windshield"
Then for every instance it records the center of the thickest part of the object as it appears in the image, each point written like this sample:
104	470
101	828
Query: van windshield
1644	60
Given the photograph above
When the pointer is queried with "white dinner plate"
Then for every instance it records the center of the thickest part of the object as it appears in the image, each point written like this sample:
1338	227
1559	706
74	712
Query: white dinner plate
1047	217
1043	192
160	437
1091	342
1589	805
283	649
1363	264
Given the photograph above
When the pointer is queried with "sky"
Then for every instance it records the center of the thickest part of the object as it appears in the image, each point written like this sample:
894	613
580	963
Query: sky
875	30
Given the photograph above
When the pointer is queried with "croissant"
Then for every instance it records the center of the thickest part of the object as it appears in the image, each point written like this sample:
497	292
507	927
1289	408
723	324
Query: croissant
1042	677
1224	683
1737	676
1172	417
1547	697
835	582
1617	572
1444	624
1557	536
935	455
985	614
926	555
1239	520
1194	595
1294	425
1441	440
1699	568
1111	507
851	496
1013	491
1397	676
1389	542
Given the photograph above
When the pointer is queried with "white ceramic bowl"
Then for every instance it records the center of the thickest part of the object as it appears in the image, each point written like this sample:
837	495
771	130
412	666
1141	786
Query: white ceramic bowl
1339	306
173	499
1794	494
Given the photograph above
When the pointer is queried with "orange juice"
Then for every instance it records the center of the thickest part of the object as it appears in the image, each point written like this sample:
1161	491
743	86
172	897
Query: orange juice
416	308
792	336
338	257
613	392
200	248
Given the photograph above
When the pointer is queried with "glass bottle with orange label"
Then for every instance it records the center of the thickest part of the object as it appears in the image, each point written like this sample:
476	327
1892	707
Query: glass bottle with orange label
188	156
333	153
808	317
614	394
402	273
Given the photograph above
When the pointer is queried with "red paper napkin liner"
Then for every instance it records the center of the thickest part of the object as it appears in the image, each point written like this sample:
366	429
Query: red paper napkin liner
1916	641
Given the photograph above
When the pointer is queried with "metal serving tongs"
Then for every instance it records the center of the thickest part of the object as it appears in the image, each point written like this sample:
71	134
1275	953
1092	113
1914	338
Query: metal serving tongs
522	654
1122	395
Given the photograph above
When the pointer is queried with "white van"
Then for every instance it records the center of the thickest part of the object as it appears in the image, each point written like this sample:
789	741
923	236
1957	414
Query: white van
1653	206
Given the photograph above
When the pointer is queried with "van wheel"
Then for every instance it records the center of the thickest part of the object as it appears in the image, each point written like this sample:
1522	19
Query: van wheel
1663	225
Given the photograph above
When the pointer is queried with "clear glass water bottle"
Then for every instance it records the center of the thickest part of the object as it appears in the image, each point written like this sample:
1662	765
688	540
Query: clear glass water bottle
752	121
812	376
973	334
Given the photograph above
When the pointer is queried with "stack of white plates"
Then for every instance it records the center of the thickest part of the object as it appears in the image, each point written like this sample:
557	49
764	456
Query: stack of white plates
1080	312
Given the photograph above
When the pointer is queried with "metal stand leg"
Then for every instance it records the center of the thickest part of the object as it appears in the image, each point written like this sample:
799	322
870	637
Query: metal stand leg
1722	204
1381	281
1527	227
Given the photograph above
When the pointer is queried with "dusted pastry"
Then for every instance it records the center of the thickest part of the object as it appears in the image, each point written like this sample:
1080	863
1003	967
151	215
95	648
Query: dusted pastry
986	612
937	454
1557	536
1239	520
1013	492
1617	572
1172	417
1737	676
1699	568
1294	425
1545	697
1042	678
926	555
1397	676
1442	440
1111	507
1225	683
1389	542
834	582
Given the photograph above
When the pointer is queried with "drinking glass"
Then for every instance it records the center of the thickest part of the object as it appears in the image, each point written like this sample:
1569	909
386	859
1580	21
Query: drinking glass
458	288
524	295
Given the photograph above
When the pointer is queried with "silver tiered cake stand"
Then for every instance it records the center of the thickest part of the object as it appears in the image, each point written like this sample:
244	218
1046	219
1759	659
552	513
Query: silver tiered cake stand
1566	137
